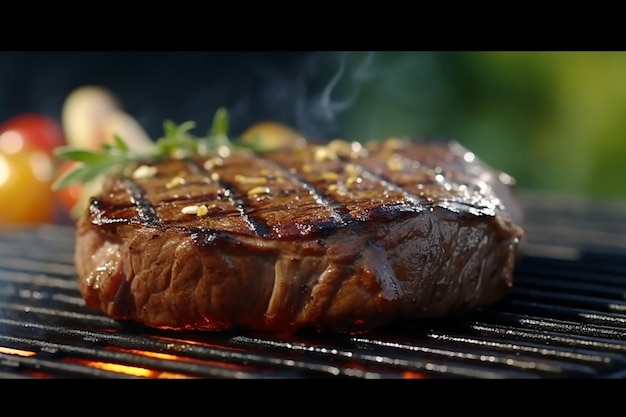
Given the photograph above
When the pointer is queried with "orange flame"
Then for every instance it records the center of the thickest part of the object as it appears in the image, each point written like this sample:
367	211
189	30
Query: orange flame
16	352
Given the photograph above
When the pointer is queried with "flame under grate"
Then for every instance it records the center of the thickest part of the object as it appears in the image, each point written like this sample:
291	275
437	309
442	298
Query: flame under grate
566	317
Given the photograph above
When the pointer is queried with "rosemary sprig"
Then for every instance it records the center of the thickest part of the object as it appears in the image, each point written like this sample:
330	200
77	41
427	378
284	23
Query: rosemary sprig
178	141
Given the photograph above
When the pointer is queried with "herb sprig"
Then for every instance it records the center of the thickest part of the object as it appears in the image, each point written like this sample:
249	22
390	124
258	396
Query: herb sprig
178	141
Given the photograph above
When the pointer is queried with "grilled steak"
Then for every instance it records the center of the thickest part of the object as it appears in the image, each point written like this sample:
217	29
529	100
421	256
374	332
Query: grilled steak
340	236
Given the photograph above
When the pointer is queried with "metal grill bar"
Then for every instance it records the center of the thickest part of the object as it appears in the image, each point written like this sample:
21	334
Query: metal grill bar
566	317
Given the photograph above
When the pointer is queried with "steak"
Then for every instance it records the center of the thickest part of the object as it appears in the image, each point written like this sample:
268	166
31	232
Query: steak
333	237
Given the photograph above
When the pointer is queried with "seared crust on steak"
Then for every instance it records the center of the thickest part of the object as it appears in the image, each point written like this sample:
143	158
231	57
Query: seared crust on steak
340	236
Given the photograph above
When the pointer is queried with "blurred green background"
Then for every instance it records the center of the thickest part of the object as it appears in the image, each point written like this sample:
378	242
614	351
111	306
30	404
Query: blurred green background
553	120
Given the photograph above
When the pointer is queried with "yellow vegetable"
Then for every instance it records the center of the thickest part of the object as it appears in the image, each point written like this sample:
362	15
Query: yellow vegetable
271	134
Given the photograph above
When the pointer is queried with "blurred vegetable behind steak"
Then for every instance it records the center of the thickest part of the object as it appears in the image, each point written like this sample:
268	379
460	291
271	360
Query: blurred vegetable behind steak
27	168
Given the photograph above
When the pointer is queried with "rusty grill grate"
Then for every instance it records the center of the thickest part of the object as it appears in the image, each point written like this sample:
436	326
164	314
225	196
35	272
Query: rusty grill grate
566	317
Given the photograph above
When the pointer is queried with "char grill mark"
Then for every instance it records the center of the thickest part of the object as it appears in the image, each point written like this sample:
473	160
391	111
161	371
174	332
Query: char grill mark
145	210
437	174
287	205
243	207
408	203
344	184
340	203
409	198
185	182
337	212
127	202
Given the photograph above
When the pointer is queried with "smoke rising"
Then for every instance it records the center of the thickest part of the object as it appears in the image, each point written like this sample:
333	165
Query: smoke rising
319	115
310	94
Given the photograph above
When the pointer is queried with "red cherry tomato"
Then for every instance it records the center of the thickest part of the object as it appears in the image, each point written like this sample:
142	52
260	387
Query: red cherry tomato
37	130
26	175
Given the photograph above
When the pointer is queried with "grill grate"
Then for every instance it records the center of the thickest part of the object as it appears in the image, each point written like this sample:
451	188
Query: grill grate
566	317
